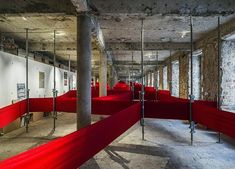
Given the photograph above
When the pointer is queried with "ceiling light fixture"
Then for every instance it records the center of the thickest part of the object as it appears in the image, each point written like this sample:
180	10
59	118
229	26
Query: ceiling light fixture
24	18
184	33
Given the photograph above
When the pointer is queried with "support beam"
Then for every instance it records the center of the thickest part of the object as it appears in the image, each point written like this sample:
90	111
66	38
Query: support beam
219	73
179	46
136	46
37	7
192	124
152	7
84	71
142	77
103	75
129	63
27	79
54	84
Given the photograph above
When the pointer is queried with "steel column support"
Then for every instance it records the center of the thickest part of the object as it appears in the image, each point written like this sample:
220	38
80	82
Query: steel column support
142	77
157	74
54	80
219	73
170	82
69	74
192	124
27	117
132	74
1	42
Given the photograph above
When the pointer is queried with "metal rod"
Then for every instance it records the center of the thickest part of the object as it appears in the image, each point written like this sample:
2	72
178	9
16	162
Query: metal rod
157	74
170	72
142	77
219	73
1	42
69	74
54	88
192	125
27	79
132	73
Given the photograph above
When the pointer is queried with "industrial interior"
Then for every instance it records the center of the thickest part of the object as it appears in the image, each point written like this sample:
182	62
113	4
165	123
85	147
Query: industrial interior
100	84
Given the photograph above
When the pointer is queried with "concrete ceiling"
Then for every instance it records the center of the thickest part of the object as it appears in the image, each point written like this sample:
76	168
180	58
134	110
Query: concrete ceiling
166	25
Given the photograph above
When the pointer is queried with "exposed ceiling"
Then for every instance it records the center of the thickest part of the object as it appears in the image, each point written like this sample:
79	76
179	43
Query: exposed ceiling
164	24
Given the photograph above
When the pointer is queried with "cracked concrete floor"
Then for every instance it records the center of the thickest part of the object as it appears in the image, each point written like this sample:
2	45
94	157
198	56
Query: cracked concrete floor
166	146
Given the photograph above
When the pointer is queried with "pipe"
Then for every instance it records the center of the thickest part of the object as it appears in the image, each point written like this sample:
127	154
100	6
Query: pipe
1	42
170	82
142	77
27	79
69	74
157	73
54	88
132	73
192	124
219	73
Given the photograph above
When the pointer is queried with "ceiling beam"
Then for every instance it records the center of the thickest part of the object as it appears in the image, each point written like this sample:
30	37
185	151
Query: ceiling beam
37	6
71	46
60	46
179	46
177	7
124	63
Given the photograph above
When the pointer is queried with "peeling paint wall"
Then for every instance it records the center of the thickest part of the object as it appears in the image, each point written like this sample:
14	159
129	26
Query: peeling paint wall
228	76
210	73
183	76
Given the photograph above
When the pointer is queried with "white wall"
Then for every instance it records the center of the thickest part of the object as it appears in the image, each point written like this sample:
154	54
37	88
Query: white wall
12	71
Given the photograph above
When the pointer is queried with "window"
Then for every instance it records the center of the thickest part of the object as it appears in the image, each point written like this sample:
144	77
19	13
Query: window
196	75
165	85
228	76
41	80
175	78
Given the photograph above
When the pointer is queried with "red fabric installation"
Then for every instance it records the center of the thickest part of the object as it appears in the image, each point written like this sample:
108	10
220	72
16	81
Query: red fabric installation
40	104
121	86
12	112
73	150
167	110
211	117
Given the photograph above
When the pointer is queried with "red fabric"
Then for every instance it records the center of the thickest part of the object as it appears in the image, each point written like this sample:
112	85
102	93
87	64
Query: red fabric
73	150
12	112
167	110
211	117
121	86
109	107
40	104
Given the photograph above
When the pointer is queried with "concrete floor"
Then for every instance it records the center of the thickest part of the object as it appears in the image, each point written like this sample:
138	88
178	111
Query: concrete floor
166	146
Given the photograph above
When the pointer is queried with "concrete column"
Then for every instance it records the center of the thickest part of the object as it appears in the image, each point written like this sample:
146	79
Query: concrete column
103	75
84	71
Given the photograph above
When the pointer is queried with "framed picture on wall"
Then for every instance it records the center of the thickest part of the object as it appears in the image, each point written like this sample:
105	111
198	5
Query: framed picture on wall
21	93
41	80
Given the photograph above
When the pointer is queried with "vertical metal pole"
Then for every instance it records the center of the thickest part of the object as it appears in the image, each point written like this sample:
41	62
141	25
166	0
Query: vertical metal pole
142	77
132	74
219	80
54	88
170	72
1	42
157	74
27	79
192	125
69	74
